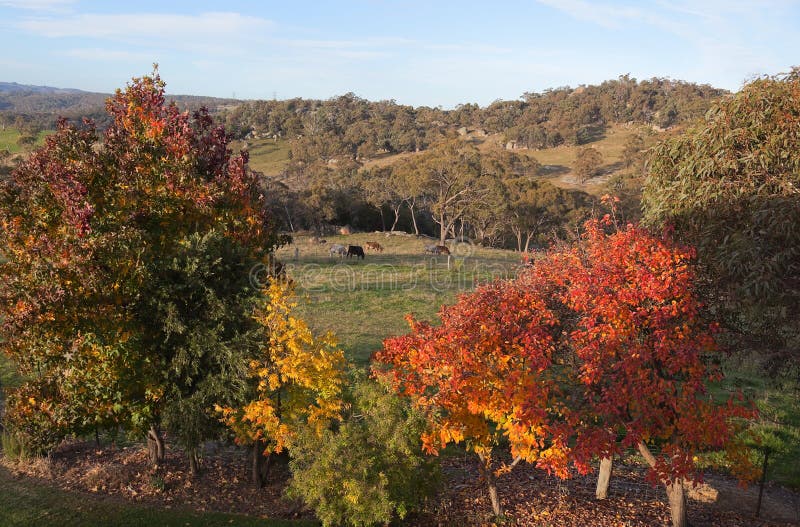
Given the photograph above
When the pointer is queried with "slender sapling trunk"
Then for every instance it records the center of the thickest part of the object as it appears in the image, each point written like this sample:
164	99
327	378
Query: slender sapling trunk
491	482
604	478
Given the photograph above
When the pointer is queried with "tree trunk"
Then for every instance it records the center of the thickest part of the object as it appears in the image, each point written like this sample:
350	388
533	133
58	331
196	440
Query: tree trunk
518	236
675	493
491	483
677	504
443	228
396	217
383	221
257	466
414	220
289	218
155	445
528	239
604	478
259	469
194	461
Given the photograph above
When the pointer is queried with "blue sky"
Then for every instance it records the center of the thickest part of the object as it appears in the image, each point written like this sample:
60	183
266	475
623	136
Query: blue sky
431	52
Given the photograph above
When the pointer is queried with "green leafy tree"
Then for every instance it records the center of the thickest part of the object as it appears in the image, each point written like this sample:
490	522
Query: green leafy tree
370	468
632	152
380	190
198	309
538	208
730	187
587	163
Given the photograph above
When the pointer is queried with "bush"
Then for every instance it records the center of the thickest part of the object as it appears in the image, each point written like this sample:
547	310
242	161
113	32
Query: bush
370	469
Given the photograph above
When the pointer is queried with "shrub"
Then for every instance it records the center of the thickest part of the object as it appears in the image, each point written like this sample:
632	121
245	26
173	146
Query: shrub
368	470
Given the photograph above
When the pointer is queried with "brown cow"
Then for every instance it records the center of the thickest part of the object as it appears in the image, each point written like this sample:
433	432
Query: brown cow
374	246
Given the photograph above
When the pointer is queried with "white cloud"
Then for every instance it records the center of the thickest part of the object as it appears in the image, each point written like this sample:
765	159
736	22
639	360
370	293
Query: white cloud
209	25
215	33
37	5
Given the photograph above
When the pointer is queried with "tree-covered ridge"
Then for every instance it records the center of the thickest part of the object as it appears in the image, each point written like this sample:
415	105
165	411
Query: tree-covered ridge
349	126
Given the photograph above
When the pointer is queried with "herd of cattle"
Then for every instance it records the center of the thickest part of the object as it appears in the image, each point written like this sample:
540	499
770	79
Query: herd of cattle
358	251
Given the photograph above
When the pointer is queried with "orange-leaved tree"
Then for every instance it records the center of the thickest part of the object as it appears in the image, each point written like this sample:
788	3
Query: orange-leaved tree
297	380
643	353
485	374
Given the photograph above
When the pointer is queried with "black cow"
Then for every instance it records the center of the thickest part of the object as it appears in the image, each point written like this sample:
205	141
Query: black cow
355	250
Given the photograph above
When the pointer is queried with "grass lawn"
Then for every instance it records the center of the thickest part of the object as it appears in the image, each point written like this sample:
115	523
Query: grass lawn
778	423
27	504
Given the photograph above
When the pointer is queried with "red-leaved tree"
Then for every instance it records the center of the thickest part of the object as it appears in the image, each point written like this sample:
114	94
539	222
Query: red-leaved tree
484	374
642	352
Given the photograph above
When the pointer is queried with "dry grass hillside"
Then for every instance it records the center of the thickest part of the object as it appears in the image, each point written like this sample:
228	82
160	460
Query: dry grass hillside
271	157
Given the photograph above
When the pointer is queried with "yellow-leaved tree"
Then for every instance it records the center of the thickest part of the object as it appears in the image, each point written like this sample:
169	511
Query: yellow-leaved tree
297	381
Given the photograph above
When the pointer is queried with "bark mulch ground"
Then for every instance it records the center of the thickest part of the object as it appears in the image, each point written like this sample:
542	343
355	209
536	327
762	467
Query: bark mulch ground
529	496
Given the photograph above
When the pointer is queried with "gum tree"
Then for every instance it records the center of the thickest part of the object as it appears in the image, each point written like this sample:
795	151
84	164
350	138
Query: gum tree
729	186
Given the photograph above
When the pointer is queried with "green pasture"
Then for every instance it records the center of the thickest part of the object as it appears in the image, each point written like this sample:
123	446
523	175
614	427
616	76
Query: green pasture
266	155
364	301
9	137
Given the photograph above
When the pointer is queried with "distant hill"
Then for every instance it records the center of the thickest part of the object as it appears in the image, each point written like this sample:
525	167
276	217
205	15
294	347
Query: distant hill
13	87
44	104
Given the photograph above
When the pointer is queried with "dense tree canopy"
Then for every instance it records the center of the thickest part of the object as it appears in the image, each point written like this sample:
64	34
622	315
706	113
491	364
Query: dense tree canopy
111	244
730	186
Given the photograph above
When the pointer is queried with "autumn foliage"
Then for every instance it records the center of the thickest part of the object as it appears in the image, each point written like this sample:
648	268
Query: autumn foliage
599	347
297	377
641	345
90	224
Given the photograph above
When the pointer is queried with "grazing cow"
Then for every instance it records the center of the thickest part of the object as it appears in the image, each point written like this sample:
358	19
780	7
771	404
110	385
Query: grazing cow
341	250
374	246
436	249
355	250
